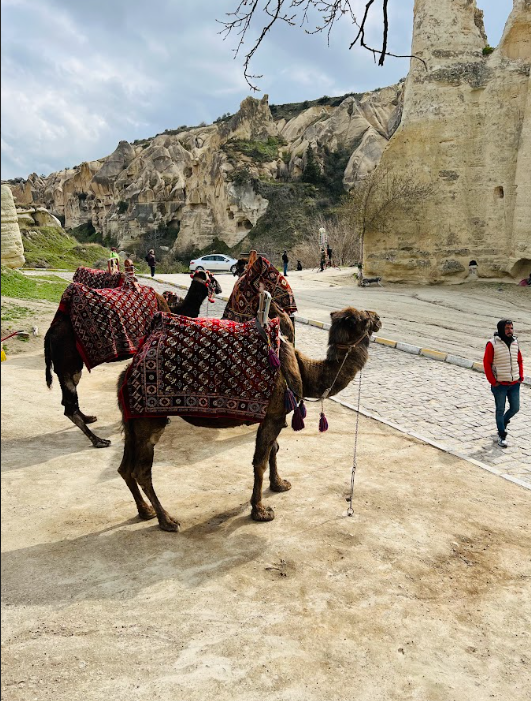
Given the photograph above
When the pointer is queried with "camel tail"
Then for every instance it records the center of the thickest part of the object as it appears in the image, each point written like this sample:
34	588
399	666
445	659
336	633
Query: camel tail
48	360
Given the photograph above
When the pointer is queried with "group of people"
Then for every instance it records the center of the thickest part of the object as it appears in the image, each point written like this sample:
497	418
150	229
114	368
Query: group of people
113	264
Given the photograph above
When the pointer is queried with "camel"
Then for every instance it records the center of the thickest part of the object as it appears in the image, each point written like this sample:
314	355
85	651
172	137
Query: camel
347	353
203	284
61	351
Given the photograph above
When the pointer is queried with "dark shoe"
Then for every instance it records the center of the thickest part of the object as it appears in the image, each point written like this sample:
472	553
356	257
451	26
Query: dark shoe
502	442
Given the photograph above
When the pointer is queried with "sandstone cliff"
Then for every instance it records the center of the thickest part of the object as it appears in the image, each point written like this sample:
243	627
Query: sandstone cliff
197	183
12	248
466	126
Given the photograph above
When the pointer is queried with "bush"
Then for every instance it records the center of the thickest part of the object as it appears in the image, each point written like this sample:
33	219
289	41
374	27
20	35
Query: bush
122	207
258	151
487	50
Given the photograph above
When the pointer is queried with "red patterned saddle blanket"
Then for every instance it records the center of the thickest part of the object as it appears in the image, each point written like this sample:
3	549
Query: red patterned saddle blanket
210	368
243	302
108	323
97	279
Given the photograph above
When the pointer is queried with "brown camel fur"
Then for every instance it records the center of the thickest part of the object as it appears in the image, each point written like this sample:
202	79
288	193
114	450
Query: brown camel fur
348	345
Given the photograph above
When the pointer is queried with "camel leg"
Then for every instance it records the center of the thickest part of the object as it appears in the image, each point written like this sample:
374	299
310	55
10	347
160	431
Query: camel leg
70	402
147	433
265	440
126	466
276	483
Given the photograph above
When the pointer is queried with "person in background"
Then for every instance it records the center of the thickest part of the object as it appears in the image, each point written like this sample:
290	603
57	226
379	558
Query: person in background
329	254
504	369
299	265
323	259
113	264
285	261
150	260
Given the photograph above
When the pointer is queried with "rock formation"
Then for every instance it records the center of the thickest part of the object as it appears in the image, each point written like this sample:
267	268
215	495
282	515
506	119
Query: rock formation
198	183
12	248
466	127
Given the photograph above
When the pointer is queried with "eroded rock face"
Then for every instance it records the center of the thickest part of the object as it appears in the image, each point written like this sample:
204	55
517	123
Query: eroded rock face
12	248
186	181
466	126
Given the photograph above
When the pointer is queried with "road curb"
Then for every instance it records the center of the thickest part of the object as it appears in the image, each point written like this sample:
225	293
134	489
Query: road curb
430	353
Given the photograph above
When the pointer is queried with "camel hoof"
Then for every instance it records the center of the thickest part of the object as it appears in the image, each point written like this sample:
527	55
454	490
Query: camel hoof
101	443
90	419
262	513
147	513
280	486
169	524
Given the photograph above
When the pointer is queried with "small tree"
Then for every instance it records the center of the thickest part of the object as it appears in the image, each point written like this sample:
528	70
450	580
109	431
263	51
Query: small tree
342	239
312	171
376	197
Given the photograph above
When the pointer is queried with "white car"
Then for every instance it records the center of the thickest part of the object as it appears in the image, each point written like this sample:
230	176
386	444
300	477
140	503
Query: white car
215	262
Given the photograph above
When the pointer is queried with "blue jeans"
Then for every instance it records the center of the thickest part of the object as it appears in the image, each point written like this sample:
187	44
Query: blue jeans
285	268
501	394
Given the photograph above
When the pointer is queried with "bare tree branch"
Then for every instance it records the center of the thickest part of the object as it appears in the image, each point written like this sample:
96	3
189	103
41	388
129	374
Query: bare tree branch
294	12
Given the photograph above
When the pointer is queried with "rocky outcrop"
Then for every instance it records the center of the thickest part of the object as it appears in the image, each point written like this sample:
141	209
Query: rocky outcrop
197	184
12	248
466	127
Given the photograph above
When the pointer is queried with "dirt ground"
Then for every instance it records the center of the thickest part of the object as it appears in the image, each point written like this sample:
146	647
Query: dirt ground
424	594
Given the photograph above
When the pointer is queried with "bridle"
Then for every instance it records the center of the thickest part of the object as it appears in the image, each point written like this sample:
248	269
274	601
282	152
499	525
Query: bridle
207	283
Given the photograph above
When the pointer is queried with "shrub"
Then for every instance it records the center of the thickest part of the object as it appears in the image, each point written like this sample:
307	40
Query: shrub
122	207
487	50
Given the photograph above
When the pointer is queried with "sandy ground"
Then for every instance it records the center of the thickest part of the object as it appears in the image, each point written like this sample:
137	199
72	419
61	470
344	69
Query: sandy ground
425	594
456	319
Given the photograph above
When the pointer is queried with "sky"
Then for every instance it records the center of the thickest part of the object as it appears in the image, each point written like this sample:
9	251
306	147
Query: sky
78	77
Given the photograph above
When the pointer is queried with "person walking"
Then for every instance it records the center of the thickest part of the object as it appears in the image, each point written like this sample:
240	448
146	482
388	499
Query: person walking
329	254
150	259
504	368
285	261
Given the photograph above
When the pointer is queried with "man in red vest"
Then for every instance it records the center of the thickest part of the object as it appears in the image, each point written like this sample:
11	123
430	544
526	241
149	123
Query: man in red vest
504	369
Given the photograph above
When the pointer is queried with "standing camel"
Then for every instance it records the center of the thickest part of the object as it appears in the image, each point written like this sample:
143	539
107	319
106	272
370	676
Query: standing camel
204	285
61	351
348	345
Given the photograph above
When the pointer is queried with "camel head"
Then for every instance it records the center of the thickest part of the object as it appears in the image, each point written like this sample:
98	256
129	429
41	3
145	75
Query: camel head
351	325
206	277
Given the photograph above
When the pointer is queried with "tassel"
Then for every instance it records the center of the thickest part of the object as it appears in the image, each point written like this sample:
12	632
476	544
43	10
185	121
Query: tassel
297	421
302	408
274	361
290	403
323	423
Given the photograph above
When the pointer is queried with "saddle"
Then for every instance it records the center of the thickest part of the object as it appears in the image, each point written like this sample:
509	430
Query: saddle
97	279
213	369
260	275
108	323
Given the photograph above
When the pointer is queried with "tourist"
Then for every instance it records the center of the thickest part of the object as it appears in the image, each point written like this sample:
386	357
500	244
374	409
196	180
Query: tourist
150	259
113	264
323	259
285	261
329	254
504	369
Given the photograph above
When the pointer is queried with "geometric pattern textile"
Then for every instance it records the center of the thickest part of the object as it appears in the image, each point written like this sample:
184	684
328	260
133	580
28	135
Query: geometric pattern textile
108	323
243	302
203	367
97	279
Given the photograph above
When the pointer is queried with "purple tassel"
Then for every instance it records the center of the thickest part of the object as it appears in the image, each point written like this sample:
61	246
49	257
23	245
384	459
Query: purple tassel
302	409
323	423
297	422
274	361
290	403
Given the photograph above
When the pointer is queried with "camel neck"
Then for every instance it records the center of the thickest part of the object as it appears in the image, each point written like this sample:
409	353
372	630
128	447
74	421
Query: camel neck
334	372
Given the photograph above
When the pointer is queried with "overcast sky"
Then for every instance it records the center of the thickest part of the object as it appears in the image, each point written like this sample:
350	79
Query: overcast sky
77	77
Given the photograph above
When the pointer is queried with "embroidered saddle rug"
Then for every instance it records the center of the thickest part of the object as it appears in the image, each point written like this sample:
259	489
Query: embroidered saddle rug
243	302
210	368
108	323
97	279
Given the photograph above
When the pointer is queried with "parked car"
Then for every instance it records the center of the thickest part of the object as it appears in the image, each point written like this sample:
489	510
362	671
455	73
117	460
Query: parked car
215	262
